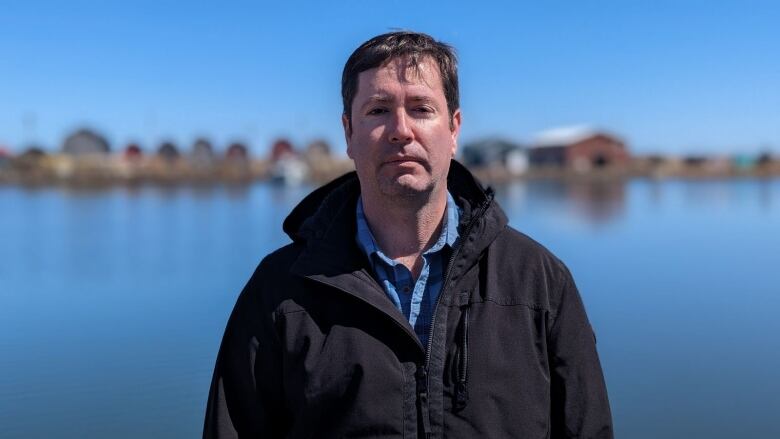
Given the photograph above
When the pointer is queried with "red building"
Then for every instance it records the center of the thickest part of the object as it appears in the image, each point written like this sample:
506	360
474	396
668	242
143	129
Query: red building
282	149
133	152
578	148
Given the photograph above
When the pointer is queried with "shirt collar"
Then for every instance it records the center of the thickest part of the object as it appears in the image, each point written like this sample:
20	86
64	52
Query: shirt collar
365	238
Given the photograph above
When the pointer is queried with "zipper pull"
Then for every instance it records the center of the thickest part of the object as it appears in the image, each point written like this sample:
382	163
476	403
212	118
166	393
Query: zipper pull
461	396
422	398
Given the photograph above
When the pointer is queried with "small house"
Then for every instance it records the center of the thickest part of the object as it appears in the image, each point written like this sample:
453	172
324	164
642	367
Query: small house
133	152
282	149
5	157
85	142
168	152
579	148
495	153
237	152
202	154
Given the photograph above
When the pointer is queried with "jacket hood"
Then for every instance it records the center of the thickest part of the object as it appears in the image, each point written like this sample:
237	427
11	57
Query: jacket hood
313	209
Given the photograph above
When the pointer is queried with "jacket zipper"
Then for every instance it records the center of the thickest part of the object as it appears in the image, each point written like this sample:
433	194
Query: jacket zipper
422	373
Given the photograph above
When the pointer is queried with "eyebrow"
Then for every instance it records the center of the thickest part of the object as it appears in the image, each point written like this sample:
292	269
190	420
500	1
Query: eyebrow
377	99
384	99
420	98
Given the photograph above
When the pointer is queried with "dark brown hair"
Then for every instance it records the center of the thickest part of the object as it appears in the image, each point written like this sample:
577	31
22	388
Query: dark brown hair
413	46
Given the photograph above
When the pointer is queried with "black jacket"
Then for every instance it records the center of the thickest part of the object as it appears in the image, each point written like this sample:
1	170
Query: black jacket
314	348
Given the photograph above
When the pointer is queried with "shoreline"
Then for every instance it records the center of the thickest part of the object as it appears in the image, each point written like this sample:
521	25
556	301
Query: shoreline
95	172
488	178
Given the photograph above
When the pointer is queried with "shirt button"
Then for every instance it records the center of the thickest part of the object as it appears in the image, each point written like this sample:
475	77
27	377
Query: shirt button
406	289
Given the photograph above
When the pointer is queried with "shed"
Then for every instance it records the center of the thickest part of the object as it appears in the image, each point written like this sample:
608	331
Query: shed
85	142
33	152
133	152
5	157
489	152
30	159
237	152
202	153
317	156
580	148
318	148
764	159
282	148
168	151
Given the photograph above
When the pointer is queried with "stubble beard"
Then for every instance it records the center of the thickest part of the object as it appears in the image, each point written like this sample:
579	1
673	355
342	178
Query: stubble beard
403	190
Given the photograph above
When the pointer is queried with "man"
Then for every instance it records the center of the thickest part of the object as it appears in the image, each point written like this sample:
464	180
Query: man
405	305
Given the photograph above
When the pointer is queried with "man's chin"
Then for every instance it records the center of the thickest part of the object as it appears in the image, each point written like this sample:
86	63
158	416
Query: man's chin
406	186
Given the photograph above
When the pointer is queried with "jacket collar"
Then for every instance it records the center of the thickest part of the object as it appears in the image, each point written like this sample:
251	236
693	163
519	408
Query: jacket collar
315	214
324	223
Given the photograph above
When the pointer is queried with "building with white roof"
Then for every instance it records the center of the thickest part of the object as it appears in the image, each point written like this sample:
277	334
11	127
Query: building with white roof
578	147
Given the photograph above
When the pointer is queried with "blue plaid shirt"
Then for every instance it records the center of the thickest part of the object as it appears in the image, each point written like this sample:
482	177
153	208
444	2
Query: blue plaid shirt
415	300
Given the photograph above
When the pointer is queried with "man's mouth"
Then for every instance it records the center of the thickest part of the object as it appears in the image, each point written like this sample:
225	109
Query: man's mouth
400	160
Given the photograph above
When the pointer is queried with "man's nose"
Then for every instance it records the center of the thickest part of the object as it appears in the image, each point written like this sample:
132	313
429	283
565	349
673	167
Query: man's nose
400	131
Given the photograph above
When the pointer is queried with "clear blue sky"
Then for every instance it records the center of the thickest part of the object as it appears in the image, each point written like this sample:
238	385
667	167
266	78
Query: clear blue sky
669	76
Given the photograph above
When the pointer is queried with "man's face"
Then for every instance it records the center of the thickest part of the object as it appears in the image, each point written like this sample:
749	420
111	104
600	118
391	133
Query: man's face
401	139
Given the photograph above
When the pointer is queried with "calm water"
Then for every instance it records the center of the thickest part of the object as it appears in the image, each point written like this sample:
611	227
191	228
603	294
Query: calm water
112	303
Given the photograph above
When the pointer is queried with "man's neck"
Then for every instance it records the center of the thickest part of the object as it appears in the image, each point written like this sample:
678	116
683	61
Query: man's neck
404	230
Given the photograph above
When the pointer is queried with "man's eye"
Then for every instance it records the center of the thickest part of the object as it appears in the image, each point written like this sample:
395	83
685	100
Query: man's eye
376	111
424	109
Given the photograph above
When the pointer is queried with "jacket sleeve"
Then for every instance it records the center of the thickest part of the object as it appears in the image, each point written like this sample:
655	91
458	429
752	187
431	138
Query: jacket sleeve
579	404
245	398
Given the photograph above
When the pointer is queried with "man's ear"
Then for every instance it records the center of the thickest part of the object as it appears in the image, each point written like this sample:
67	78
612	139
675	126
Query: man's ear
455	130
345	123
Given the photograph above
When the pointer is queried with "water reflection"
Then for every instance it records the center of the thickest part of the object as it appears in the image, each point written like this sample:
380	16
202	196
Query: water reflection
288	196
679	278
595	203
765	194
